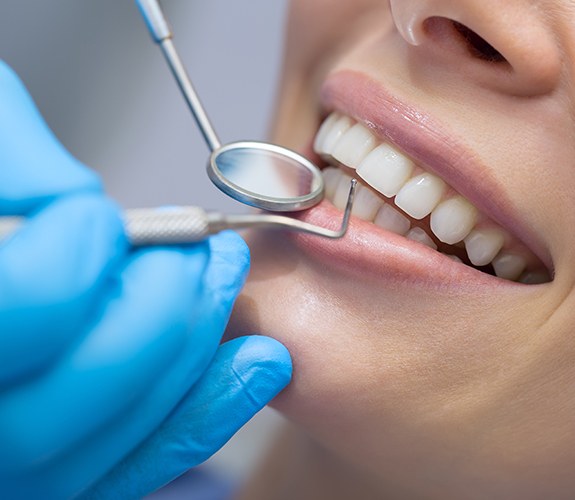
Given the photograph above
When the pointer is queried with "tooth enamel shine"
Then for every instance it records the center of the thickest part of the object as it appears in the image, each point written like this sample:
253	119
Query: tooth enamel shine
354	146
453	220
420	195
333	134
483	245
386	170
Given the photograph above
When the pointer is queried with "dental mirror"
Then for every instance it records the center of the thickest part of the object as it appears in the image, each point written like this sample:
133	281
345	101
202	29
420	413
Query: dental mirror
258	174
255	173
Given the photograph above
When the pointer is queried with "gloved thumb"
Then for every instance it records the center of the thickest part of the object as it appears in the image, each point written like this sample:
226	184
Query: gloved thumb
244	376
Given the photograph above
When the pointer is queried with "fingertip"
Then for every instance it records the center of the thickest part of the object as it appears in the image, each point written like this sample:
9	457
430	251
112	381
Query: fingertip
263	363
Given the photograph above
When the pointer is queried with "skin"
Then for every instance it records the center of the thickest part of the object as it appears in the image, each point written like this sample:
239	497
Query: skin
401	391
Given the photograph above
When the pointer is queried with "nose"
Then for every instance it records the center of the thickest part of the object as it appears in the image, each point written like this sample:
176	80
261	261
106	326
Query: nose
508	44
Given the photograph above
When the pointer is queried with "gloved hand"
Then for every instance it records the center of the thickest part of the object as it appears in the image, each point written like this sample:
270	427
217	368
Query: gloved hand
112	380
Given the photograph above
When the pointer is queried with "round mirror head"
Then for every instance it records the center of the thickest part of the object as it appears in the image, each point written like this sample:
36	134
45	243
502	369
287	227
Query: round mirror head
266	176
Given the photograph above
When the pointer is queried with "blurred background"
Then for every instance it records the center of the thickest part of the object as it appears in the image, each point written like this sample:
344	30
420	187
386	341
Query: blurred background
105	90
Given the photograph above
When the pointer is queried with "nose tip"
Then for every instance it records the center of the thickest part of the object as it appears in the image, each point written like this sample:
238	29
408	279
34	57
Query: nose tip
512	36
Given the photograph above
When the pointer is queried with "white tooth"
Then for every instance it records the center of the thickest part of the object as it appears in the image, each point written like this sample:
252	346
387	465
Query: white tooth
509	266
390	219
334	134
418	234
535	277
453	219
342	192
386	170
483	245
331	176
420	195
354	146
324	130
366	203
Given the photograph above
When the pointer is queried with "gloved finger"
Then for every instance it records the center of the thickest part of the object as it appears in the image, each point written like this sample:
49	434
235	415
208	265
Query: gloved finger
51	273
35	166
244	376
72	471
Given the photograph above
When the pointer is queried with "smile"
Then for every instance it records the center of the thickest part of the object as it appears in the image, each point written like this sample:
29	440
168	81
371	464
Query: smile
400	196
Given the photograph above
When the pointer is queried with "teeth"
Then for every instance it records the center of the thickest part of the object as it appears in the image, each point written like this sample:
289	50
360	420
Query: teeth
483	245
390	219
342	192
331	176
509	266
418	234
453	220
366	204
420	195
386	170
331	133
354	146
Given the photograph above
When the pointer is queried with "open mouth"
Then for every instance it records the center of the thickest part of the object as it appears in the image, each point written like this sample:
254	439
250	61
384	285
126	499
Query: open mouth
398	195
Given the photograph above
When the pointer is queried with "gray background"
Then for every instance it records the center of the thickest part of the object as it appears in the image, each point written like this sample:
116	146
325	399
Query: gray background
105	90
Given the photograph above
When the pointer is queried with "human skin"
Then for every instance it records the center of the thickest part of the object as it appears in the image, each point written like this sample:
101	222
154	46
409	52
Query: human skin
424	390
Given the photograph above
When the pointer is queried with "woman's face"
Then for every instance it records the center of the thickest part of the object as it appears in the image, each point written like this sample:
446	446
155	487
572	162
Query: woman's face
431	373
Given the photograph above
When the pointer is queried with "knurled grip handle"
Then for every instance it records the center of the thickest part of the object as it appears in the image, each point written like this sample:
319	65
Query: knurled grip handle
148	226
171	226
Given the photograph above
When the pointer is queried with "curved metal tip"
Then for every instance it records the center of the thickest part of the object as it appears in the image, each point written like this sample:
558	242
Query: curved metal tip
347	211
219	222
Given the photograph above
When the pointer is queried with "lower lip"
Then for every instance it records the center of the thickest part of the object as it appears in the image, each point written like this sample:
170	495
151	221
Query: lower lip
369	252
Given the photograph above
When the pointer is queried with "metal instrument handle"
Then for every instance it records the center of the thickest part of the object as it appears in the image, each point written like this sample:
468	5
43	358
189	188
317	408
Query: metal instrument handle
183	225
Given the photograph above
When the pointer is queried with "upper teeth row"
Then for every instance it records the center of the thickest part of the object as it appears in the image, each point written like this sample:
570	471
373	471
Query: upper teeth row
419	194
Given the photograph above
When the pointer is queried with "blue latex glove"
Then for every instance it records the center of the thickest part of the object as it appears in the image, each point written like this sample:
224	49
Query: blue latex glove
112	380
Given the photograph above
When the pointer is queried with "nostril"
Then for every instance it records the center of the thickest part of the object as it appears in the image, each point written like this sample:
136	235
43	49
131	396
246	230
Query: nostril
442	28
478	46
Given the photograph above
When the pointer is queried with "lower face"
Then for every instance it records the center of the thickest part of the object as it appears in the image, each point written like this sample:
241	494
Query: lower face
408	361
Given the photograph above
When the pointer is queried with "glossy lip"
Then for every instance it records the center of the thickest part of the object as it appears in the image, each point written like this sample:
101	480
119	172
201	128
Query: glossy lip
430	145
427	142
374	253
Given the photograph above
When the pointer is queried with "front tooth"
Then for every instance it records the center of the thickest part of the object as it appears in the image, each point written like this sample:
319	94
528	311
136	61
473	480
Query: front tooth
386	170
483	245
333	134
342	192
324	130
418	234
331	176
354	146
366	203
390	219
453	219
420	195
509	266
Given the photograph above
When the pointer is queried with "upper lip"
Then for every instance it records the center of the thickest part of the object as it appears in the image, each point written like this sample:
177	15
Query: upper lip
427	142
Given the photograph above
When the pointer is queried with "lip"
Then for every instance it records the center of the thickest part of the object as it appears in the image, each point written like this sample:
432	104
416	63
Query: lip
375	253
427	142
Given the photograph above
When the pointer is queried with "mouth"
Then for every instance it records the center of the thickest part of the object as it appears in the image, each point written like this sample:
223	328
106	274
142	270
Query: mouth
403	195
